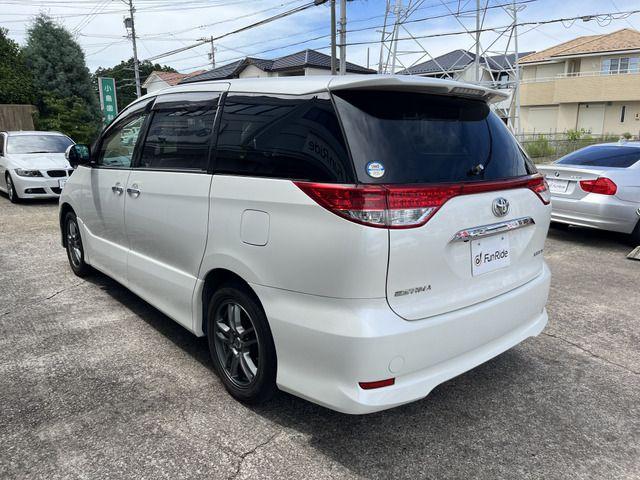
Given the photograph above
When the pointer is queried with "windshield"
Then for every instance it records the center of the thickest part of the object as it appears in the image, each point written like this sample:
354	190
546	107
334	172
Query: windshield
406	137
38	143
603	156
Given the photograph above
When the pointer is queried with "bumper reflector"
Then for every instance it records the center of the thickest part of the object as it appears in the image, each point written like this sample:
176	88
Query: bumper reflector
377	384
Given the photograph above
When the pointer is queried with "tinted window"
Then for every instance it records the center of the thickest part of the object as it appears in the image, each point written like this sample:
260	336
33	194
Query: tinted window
603	156
1	144
179	137
421	138
119	144
292	137
38	144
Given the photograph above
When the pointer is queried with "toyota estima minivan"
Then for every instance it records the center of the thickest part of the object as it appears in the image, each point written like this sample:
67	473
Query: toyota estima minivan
352	240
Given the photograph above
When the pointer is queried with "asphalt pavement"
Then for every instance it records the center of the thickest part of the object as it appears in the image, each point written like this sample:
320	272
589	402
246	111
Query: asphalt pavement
96	383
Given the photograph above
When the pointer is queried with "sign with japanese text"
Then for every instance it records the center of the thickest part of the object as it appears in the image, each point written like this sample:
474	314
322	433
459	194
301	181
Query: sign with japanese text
108	103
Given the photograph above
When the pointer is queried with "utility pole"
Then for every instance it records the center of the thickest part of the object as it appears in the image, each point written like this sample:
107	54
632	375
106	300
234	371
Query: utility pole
516	90
477	59
333	37
343	37
212	55
129	24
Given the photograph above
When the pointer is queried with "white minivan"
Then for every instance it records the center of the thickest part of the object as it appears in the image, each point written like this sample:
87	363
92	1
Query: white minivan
352	240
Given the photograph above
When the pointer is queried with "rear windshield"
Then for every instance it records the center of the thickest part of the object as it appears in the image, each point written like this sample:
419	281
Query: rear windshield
38	144
603	156
405	137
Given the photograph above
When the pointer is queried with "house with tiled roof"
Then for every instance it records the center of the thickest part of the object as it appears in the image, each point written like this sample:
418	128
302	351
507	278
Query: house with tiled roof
305	62
590	83
495	70
158	80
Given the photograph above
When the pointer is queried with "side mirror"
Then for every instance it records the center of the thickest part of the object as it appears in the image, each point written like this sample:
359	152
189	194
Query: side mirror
78	154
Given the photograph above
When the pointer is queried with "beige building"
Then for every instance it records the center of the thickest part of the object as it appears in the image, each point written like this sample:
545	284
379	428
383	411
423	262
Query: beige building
591	83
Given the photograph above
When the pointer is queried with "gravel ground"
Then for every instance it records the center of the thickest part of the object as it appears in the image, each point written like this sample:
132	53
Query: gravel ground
96	383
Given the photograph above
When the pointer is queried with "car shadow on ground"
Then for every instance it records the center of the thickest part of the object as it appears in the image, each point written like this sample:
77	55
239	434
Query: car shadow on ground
589	236
30	201
467	417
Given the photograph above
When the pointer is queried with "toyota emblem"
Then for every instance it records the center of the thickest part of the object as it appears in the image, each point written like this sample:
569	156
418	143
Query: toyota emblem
500	207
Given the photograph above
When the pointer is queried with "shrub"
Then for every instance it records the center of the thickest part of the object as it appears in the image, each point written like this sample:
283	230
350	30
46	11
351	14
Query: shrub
539	147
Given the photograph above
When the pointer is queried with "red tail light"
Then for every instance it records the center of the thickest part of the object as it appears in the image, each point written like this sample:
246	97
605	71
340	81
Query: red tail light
601	185
401	206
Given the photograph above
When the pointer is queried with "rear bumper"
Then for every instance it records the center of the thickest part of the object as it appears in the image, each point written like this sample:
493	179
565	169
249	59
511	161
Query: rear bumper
325	346
596	211
37	187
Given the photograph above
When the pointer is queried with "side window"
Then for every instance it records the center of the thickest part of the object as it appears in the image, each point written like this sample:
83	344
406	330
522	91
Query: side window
118	145
179	137
282	137
1	145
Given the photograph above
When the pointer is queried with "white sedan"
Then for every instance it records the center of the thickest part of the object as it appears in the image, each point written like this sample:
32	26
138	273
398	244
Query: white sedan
32	164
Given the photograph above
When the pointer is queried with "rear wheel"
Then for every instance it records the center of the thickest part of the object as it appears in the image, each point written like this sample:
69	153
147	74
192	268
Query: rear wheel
11	190
634	238
241	344
75	250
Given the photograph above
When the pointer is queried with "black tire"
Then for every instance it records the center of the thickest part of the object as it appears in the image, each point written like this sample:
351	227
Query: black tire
11	190
240	346
634	237
559	226
74	247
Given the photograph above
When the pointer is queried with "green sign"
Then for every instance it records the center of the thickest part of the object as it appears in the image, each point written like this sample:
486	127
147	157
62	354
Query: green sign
108	103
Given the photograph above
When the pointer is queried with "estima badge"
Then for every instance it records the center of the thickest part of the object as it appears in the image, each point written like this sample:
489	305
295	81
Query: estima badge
375	169
500	207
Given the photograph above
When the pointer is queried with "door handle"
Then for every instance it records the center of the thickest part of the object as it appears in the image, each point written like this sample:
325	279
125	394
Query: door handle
134	191
117	189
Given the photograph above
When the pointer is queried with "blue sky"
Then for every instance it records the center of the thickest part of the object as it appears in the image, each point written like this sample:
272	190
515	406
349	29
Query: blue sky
162	26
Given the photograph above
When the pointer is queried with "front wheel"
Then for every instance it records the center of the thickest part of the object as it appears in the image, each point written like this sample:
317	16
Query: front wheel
241	344
11	190
75	250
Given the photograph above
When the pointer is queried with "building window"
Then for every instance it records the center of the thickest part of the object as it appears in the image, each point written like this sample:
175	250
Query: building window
623	110
614	66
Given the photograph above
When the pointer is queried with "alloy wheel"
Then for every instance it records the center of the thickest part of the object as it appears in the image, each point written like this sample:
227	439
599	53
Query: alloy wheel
74	244
10	189
236	343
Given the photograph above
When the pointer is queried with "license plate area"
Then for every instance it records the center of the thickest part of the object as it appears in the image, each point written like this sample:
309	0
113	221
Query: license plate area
557	186
490	253
62	182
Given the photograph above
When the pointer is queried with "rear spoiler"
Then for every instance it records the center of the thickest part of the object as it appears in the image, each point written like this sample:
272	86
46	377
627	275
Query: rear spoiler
413	83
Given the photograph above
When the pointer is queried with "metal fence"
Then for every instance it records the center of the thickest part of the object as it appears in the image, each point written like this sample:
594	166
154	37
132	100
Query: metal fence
545	148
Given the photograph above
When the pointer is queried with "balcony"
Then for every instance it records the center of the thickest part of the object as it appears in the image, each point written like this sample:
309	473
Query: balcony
583	87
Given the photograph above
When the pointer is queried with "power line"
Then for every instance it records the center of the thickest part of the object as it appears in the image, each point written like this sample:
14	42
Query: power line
238	30
536	24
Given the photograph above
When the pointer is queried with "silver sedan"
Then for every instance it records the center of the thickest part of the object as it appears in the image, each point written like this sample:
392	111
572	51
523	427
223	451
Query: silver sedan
598	187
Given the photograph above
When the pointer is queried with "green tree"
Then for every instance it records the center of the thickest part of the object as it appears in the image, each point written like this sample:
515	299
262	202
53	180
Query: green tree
15	79
125	78
65	96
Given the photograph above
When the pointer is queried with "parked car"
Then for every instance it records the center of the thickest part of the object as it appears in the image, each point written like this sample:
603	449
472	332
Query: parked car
355	241
598	187
33	164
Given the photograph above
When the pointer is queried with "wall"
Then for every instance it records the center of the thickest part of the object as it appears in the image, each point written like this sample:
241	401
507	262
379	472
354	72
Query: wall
590	64
612	122
155	85
16	117
253	72
539	119
549	70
